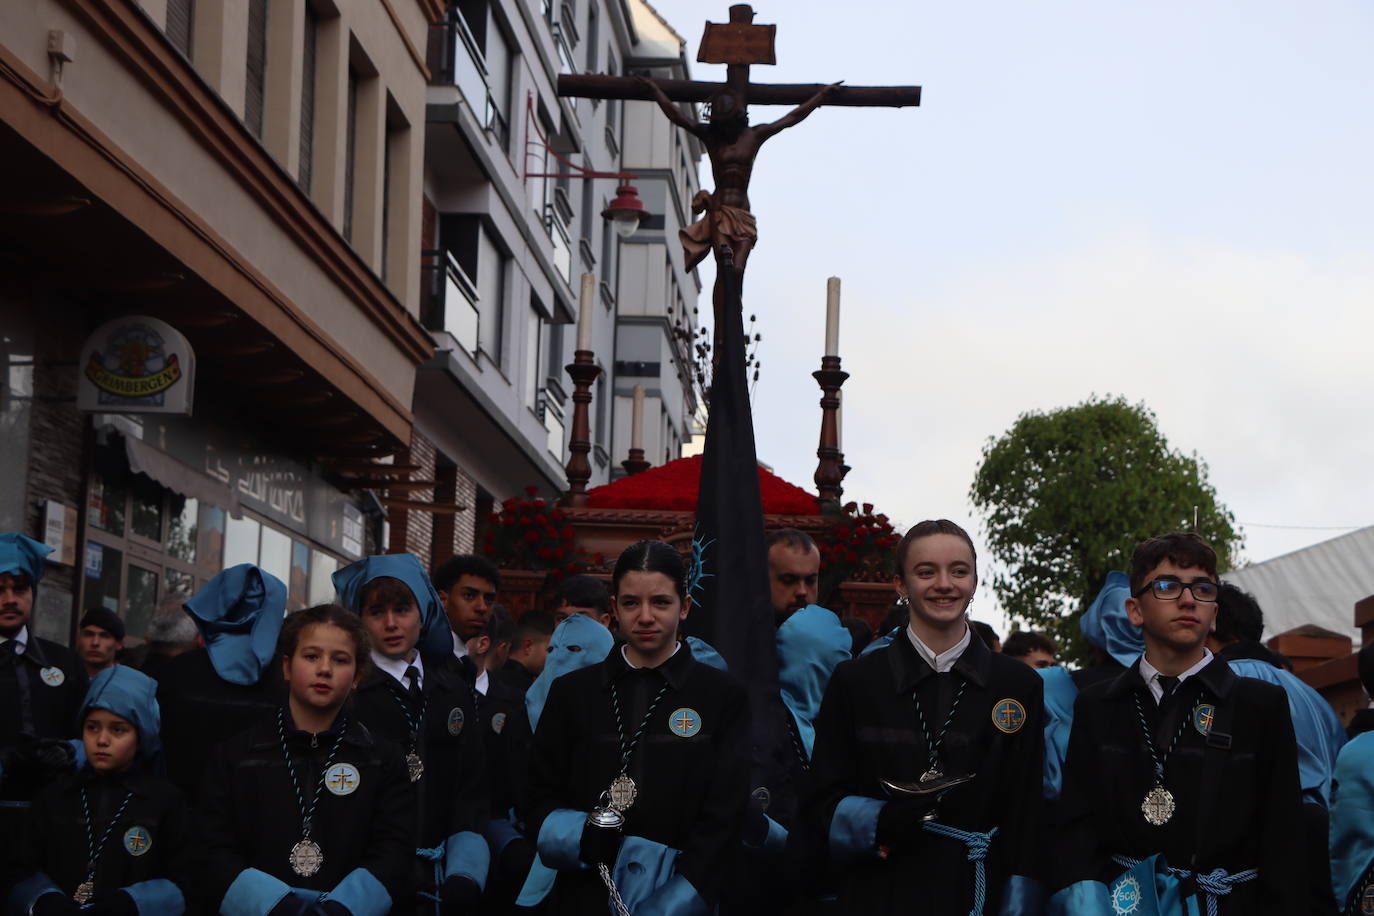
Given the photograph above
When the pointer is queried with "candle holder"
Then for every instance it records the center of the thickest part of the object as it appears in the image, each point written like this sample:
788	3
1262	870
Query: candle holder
635	463
831	469
583	371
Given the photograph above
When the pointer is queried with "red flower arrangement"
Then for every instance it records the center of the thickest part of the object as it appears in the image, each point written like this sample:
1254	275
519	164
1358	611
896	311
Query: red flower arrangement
858	545
532	533
673	486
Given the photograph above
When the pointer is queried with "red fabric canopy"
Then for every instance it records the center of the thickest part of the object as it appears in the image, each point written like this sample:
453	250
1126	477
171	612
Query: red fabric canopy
673	486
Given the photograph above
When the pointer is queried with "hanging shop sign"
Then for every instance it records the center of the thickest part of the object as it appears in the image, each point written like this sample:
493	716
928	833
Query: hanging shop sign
137	364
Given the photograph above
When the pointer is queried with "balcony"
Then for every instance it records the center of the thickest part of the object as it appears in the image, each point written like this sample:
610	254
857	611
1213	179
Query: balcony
456	305
456	59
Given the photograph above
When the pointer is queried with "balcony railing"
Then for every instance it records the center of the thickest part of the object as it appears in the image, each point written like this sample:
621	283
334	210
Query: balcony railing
461	63
562	243
456	305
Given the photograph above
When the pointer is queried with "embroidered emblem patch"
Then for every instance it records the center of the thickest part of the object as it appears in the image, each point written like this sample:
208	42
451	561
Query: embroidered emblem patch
52	676
1126	896
1204	714
763	797
342	779
684	722
1008	715
498	722
455	720
137	841
1367	902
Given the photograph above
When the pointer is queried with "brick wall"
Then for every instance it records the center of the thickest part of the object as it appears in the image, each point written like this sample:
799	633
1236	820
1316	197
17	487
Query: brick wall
412	531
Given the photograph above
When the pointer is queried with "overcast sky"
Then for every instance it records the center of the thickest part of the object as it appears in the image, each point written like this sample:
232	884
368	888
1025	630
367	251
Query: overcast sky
1172	202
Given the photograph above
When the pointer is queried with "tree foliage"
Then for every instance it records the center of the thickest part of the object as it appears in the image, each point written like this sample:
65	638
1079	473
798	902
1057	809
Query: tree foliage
1066	495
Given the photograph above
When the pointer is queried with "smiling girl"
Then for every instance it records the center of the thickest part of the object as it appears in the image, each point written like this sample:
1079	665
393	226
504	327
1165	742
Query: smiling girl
307	812
650	734
934	709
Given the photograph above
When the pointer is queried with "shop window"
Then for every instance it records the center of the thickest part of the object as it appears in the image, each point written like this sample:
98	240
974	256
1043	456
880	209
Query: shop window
181	528
104	576
140	600
106	504
274	555
322	567
211	535
298	586
176	582
241	541
145	508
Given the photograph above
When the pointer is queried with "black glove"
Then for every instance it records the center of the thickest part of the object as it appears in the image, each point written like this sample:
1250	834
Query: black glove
900	820
53	755
755	826
55	904
116	904
458	894
515	860
328	908
600	845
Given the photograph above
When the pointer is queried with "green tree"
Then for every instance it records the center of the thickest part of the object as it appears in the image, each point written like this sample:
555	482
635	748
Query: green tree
1066	495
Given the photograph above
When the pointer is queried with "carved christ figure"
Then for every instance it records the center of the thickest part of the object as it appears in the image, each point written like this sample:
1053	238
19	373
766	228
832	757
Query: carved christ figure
732	143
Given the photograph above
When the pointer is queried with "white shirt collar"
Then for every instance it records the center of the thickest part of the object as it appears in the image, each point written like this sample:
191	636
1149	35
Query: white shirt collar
21	640
396	667
625	655
1150	675
944	660
460	648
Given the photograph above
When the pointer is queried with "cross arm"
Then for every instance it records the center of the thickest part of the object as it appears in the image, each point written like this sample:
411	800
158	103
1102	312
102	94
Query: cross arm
600	86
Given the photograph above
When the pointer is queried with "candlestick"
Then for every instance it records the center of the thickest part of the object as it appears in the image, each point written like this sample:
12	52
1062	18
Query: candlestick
832	317
584	313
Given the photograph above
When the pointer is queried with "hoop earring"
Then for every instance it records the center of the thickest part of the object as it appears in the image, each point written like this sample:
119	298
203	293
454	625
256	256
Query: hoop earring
903	601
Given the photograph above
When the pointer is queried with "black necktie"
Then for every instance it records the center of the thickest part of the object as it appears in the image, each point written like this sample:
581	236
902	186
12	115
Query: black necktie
1168	684
8	652
413	674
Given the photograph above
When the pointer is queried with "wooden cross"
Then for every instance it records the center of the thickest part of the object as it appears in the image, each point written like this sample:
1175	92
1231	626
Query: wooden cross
730	141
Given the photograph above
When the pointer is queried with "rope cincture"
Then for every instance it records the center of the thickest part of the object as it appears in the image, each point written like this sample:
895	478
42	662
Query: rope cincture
307	814
934	747
93	848
627	748
978	845
1214	884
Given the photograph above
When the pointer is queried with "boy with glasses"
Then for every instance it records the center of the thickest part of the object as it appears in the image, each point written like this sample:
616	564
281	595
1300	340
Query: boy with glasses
1181	779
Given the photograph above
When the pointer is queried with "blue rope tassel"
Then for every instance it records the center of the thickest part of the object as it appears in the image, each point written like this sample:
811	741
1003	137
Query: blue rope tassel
433	854
1214	884
978	844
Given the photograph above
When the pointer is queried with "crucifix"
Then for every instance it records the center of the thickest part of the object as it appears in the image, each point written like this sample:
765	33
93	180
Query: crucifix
730	141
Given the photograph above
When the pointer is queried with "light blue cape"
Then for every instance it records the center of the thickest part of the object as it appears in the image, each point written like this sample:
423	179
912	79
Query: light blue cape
811	644
435	635
1105	624
239	614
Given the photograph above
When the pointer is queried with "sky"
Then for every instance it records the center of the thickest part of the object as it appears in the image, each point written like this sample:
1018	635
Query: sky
1170	202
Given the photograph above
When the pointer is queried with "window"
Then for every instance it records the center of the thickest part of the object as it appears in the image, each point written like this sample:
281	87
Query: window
305	170
257	66
350	152
534	340
593	36
180	15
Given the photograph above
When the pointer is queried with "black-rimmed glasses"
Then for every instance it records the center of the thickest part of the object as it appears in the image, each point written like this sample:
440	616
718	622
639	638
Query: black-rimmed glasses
1169	589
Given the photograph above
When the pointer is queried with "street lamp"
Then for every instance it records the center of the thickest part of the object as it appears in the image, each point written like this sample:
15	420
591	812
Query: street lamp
627	211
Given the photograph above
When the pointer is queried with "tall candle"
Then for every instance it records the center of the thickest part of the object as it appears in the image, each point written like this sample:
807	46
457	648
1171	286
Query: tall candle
832	316
637	419
584	313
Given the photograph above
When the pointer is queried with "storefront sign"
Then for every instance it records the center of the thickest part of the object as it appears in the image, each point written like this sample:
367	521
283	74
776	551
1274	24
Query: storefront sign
59	532
136	364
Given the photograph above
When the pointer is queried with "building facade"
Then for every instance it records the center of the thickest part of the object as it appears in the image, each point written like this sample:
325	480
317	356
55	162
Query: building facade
243	173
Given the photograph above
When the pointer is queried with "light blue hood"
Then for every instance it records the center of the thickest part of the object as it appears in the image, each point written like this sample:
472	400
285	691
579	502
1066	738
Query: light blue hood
23	555
132	695
578	642
1106	625
811	644
435	635
239	614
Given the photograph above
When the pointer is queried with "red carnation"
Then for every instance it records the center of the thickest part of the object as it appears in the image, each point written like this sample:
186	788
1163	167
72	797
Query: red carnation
531	491
556	515
544	553
532	536
489	550
851	557
868	508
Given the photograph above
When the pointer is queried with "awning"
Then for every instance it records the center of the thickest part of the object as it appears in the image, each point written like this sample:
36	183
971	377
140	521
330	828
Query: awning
180	477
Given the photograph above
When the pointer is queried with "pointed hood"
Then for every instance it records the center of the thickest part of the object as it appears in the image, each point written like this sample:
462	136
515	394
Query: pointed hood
705	653
1105	624
578	642
239	614
131	695
811	644
435	636
20	555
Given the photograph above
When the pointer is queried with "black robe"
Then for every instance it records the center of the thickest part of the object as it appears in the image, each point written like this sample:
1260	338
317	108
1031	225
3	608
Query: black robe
1241	814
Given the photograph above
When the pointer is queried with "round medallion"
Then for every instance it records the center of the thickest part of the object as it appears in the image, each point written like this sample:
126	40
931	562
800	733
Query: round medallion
623	792
1008	715
763	797
52	676
1158	806
137	841
455	720
84	892
498	722
684	722
415	767
306	857
1204	715
1367	902
931	775
342	779
1126	895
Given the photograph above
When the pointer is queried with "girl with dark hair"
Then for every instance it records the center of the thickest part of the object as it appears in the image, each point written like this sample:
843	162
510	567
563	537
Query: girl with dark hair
307	812
927	758
640	766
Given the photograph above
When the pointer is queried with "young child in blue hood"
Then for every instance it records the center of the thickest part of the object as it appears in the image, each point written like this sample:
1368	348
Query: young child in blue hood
113	838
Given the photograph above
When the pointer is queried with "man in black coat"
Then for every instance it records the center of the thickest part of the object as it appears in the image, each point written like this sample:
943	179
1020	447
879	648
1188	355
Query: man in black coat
41	688
1179	757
